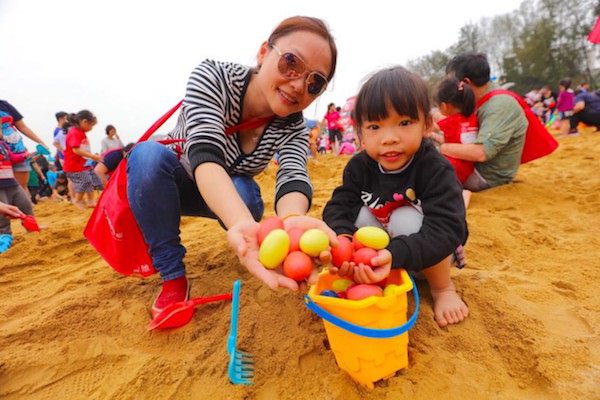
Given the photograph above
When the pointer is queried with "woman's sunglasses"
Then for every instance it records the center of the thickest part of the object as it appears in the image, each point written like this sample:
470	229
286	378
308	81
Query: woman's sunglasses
293	67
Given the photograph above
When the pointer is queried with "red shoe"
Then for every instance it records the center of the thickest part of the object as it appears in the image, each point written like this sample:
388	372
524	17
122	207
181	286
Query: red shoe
172	291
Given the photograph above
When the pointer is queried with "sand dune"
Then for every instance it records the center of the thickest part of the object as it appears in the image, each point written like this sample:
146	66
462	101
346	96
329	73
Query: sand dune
71	328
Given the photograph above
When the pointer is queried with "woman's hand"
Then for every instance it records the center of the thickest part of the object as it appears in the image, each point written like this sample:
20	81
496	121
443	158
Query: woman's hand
305	222
382	265
10	211
242	238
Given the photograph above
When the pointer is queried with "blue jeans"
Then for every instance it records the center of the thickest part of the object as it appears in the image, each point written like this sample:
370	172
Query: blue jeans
160	192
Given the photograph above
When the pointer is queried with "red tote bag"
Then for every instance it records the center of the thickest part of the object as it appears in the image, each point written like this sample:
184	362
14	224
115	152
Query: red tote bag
112	229
538	141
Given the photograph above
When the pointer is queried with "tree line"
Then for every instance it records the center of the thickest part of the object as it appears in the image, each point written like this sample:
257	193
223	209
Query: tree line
540	43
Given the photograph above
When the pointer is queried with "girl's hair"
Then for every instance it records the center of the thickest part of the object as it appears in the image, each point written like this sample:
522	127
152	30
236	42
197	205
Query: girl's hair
566	83
457	93
330	105
308	24
75	119
109	128
394	87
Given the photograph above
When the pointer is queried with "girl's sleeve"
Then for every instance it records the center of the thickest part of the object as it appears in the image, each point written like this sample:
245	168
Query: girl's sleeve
444	224
342	209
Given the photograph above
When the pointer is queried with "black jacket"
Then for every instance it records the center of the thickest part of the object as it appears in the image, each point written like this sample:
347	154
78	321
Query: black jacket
438	194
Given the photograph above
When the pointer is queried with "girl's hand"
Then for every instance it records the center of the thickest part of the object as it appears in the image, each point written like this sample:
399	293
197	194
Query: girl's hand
97	158
344	270
242	237
382	265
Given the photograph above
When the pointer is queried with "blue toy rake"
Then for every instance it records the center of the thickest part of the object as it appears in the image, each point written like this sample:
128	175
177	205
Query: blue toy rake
241	365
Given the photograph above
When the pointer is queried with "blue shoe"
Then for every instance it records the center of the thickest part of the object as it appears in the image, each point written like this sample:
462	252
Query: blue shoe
5	242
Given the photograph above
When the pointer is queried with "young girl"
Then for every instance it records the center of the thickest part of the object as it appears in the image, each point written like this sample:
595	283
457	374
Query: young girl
78	149
401	183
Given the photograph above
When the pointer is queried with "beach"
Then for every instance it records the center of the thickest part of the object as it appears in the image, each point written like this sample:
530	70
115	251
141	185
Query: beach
72	328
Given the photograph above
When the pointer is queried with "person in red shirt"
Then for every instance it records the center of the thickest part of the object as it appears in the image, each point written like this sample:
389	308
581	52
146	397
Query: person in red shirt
76	153
456	101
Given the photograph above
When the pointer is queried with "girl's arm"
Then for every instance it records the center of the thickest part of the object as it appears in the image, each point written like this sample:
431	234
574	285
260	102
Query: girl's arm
25	130
293	203
86	154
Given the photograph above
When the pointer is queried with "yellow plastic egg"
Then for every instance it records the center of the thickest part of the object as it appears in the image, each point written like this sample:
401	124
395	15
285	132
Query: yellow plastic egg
274	248
313	242
373	237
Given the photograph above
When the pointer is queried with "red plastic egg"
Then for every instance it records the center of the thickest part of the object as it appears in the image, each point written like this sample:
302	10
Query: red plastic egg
343	252
364	256
267	225
295	234
359	292
297	266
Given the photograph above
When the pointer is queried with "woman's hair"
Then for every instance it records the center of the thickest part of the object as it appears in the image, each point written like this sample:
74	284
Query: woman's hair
457	93
307	24
109	128
75	119
394	87
566	83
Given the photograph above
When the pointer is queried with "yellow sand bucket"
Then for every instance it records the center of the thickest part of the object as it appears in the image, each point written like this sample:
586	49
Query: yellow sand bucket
368	337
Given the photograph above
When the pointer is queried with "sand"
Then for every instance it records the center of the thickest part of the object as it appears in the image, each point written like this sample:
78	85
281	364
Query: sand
71	328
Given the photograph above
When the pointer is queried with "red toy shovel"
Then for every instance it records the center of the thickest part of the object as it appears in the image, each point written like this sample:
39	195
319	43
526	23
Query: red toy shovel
30	223
180	313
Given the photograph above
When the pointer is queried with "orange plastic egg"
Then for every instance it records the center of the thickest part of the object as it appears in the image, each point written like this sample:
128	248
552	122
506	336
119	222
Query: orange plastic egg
297	266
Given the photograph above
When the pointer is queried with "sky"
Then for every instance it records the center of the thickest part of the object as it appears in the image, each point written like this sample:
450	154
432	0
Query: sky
128	61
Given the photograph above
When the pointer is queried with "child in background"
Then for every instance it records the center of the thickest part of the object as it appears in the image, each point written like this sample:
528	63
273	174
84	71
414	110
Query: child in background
564	106
11	193
401	183
456	101
348	147
76	152
323	144
60	189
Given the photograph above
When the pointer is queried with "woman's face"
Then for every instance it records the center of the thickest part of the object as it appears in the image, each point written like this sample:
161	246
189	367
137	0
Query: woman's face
287	96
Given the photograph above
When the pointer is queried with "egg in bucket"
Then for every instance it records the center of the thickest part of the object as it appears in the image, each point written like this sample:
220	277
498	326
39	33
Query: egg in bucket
368	337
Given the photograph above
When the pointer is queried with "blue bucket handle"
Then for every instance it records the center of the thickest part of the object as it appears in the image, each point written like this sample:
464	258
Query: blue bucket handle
361	330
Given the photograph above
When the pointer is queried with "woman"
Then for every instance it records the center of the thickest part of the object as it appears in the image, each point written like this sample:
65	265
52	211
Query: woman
213	178
112	141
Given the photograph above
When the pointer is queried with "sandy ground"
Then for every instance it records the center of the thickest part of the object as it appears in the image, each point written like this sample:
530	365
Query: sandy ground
71	328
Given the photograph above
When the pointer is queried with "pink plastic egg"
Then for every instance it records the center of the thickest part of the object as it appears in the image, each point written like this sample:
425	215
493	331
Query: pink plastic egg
359	292
364	256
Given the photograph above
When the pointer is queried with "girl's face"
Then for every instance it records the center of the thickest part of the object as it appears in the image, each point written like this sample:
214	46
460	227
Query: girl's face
112	133
86	125
287	96
392	142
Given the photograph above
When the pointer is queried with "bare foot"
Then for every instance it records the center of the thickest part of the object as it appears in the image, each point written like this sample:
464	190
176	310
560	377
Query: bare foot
79	204
448	307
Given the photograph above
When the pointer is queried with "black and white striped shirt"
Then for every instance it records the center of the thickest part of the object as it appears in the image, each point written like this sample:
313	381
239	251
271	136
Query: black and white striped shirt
213	103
